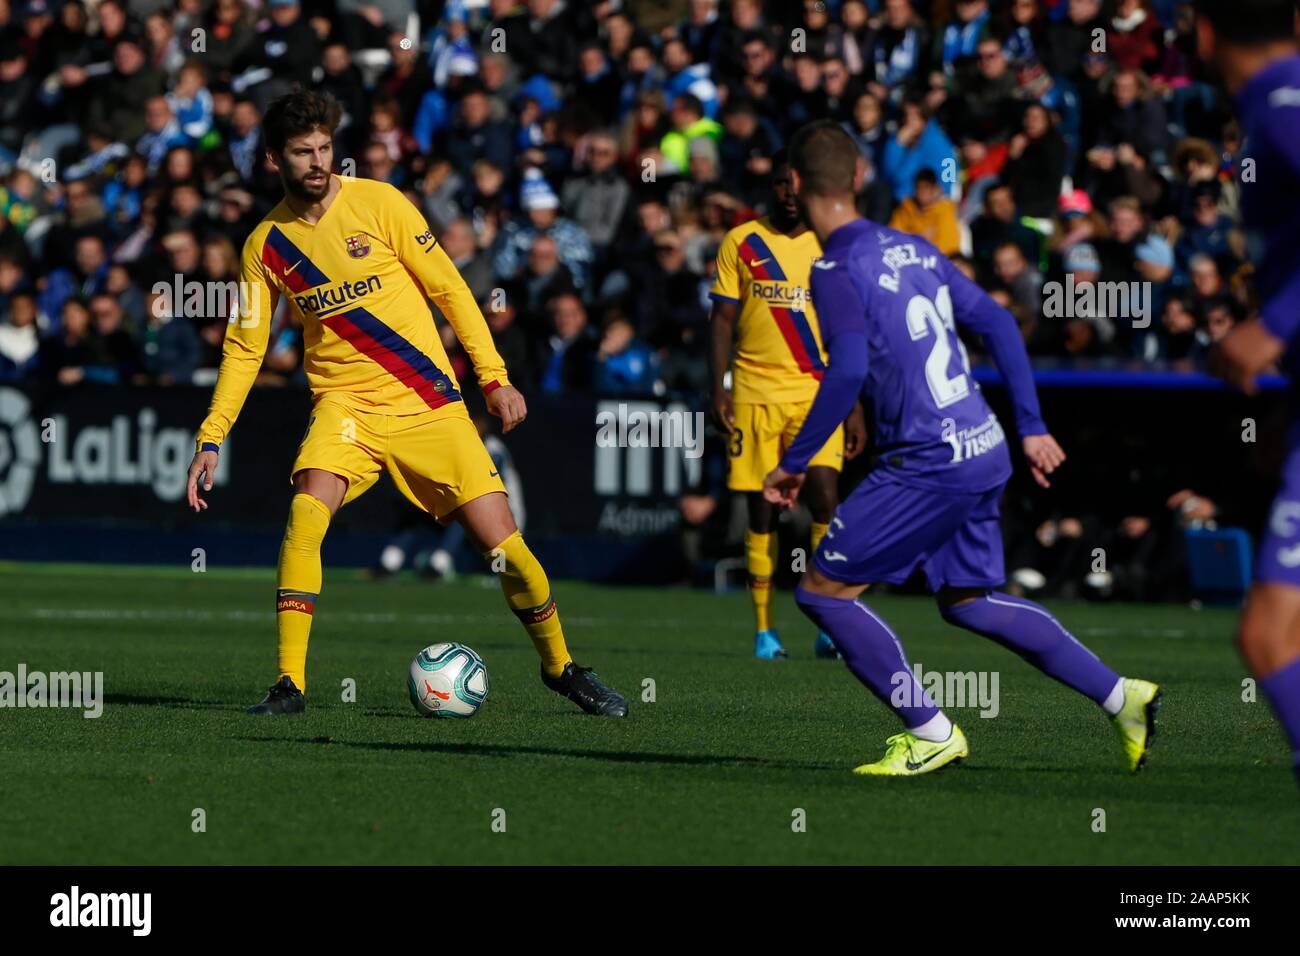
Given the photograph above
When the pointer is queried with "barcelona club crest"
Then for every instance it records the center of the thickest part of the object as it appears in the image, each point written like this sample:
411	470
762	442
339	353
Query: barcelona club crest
358	246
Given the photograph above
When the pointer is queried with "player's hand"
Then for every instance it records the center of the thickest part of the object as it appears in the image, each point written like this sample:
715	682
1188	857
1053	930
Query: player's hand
1044	456
1246	351
508	405
724	412
782	488
855	433
204	466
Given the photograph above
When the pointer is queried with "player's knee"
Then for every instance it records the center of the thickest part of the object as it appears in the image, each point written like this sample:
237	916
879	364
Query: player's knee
512	559
950	601
814	582
309	519
809	598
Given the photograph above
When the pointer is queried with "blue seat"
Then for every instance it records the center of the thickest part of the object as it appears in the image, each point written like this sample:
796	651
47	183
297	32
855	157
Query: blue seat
1219	564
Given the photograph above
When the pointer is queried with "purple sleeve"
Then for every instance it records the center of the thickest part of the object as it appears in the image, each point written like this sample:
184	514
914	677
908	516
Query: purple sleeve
973	309
841	315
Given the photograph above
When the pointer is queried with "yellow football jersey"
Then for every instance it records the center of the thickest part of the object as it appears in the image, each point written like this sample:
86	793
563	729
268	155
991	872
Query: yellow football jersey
359	279
779	352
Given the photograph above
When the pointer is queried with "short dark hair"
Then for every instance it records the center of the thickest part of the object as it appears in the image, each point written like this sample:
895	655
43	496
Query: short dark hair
689	101
1249	22
825	158
296	113
927	176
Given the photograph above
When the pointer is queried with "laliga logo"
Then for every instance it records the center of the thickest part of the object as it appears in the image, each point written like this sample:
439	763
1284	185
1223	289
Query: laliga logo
124	451
20	451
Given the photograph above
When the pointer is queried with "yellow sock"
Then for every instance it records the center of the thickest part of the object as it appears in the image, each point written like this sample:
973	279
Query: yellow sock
528	593
298	583
818	532
760	561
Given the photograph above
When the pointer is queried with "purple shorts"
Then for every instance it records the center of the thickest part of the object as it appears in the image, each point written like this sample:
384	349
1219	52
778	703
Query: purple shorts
1279	549
886	529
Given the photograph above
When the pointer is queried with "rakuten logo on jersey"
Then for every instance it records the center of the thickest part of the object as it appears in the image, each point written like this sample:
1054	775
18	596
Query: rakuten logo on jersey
777	293
345	293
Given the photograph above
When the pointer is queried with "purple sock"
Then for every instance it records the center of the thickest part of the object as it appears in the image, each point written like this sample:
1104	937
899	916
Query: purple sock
872	652
1283	690
1031	631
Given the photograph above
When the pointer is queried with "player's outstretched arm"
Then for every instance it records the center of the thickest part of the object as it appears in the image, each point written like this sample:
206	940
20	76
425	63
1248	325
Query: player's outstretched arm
242	352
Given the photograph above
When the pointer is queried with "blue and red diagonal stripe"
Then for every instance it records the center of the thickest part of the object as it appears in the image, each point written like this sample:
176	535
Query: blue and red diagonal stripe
287	261
792	324
400	358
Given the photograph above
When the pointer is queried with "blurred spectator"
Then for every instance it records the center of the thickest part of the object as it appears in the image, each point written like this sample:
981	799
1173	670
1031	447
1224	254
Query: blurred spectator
119	101
929	213
624	364
541	208
170	344
600	200
19	338
457	241
1036	164
476	135
568	352
688	124
997	225
919	143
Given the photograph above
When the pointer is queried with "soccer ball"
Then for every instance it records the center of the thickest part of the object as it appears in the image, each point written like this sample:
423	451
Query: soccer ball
448	680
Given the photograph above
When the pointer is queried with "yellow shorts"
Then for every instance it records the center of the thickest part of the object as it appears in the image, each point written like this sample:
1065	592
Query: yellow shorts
435	458
761	436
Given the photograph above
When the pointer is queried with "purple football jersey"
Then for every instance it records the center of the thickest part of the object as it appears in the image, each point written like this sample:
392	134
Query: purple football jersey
933	427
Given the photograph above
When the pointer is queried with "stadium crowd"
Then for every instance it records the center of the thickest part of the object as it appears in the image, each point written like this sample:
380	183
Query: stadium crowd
580	162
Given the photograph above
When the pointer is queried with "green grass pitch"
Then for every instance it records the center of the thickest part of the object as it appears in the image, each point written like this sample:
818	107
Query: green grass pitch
713	771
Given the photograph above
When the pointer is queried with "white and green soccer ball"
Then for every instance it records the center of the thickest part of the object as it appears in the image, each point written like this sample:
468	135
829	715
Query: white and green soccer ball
448	680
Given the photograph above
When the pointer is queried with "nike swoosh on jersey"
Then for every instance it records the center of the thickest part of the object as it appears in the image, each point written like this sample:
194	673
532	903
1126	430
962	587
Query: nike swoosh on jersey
835	556
757	262
824	264
292	267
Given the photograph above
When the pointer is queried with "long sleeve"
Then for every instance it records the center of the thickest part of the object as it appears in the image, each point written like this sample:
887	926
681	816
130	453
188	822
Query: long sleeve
424	258
245	345
974	309
841	313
